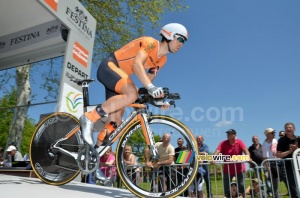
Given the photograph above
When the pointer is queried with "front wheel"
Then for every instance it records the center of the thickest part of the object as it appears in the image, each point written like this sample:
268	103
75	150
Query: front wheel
168	181
51	165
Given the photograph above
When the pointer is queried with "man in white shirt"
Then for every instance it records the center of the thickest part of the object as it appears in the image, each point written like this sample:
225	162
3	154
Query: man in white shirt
14	153
269	149
166	154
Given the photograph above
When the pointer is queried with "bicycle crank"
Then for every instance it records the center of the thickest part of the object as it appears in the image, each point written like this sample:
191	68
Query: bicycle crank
88	159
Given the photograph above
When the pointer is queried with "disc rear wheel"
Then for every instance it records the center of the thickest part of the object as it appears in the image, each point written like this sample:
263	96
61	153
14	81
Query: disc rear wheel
52	165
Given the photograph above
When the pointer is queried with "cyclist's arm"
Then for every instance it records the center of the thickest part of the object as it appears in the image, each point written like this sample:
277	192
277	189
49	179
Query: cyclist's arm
151	77
139	70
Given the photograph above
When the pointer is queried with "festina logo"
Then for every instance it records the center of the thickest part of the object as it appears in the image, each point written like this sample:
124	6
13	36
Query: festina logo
25	37
80	19
52	29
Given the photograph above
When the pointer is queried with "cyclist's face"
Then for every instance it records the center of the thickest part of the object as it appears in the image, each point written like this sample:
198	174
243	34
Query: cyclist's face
176	43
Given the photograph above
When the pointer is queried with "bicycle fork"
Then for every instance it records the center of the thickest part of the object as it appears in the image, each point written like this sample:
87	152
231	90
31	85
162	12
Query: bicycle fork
148	135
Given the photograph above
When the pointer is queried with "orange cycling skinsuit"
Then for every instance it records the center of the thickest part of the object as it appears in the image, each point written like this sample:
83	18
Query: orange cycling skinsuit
115	70
144	53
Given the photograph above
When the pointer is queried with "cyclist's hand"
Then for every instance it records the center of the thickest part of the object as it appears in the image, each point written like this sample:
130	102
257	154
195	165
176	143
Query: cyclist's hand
155	92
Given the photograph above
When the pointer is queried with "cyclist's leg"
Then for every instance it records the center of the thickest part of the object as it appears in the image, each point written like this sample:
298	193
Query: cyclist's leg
115	117
116	80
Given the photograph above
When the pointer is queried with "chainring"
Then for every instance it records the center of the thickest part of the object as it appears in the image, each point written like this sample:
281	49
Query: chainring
88	159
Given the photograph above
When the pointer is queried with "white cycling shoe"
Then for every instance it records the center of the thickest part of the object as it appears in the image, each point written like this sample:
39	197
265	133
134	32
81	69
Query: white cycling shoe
87	129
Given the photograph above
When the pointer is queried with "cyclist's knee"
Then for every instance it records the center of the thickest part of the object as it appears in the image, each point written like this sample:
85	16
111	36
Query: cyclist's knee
131	97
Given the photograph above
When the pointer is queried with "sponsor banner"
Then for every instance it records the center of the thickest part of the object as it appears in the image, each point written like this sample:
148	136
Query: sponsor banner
79	49
76	61
72	101
80	54
52	4
74	16
32	38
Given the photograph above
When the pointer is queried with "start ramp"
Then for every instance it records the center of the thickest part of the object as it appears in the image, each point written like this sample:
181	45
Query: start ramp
32	187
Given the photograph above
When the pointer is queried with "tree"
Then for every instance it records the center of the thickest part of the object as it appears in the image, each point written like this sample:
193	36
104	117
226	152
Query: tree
7	103
23	99
137	143
118	22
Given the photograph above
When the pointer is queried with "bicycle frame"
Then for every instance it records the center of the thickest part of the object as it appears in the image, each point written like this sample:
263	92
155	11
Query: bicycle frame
139	113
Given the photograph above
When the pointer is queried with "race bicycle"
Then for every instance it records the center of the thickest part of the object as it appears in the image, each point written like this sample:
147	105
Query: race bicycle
59	153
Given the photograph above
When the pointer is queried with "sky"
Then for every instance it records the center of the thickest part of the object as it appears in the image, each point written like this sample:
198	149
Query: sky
239	69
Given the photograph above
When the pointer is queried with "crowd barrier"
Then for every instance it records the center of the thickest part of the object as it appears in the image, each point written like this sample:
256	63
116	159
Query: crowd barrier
274	177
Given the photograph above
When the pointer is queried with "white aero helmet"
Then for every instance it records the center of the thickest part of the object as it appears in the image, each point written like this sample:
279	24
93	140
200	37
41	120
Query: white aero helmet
171	29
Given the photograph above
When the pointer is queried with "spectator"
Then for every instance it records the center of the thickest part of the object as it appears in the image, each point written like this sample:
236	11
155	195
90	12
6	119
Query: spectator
107	166
281	134
233	146
204	150
129	159
181	170
255	151
285	149
269	152
200	183
254	191
166	154
180	147
233	192
14	154
281	166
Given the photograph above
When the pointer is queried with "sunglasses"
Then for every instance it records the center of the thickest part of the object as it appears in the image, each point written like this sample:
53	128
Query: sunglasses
180	39
272	133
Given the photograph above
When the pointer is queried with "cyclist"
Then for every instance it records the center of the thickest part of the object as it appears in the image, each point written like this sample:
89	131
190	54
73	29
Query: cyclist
144	53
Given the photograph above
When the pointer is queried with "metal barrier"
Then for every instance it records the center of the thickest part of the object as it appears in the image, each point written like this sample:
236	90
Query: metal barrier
296	164
274	177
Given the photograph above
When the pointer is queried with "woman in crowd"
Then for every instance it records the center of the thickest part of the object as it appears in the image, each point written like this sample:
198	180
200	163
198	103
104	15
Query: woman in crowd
129	160
107	166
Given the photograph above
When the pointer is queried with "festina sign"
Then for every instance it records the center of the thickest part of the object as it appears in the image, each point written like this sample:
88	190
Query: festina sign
30	36
78	16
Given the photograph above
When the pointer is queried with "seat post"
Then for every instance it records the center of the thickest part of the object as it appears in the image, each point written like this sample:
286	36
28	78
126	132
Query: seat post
85	95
